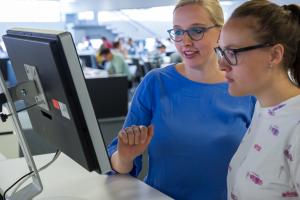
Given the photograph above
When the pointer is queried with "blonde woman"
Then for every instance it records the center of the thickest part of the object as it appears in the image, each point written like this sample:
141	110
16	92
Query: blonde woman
197	124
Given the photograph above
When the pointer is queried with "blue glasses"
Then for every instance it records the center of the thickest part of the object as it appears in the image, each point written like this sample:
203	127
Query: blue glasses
195	33
230	55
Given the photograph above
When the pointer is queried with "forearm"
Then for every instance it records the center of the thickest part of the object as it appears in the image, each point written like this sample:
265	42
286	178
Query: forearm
120	165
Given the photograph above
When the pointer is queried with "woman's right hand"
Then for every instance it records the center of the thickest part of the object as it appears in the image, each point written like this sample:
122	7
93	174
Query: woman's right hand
132	142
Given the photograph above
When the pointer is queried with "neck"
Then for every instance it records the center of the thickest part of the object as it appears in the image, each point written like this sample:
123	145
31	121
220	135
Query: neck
281	90
203	74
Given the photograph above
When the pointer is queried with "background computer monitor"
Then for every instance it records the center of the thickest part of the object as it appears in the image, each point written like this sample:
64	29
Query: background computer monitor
70	124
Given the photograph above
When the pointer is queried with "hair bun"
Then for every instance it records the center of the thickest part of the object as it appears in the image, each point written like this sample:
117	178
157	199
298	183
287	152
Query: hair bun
294	10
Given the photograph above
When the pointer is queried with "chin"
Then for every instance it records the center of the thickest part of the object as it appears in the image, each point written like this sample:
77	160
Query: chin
236	92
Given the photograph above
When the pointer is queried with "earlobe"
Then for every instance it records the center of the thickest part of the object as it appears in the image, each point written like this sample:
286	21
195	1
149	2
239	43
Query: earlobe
271	65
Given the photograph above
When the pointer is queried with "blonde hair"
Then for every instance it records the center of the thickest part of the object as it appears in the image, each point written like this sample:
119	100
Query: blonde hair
213	8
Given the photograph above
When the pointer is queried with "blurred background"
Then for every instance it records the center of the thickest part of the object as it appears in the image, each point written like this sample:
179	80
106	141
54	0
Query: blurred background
133	31
138	27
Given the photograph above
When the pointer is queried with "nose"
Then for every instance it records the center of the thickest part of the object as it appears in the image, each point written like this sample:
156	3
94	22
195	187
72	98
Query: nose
223	65
186	39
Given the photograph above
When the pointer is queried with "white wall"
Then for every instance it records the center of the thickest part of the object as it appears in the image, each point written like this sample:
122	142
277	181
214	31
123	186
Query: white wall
229	6
158	29
96	5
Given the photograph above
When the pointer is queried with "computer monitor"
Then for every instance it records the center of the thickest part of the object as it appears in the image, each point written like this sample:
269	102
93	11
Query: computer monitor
68	122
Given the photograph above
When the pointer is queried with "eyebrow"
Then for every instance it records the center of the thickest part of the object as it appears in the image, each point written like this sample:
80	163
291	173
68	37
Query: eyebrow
229	47
192	25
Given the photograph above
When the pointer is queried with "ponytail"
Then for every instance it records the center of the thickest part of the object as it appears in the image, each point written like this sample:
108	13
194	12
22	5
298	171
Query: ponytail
295	15
295	11
295	69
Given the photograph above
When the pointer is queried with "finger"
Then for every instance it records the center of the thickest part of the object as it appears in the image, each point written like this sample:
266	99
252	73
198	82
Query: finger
144	131
130	135
123	136
150	133
137	134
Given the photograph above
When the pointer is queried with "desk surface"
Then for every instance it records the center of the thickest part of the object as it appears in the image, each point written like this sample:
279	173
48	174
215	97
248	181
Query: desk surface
66	180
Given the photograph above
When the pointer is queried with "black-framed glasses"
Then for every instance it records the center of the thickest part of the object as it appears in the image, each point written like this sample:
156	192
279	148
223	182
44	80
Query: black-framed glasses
230	55
195	33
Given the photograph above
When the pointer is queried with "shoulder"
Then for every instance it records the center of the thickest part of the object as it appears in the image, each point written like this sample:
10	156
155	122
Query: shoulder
292	151
117	57
156	78
295	134
159	73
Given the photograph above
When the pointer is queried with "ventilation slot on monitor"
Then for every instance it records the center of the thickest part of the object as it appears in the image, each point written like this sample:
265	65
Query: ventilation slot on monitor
46	115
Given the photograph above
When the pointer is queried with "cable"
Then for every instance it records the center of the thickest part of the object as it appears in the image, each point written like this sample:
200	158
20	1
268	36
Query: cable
4	194
42	168
30	174
4	116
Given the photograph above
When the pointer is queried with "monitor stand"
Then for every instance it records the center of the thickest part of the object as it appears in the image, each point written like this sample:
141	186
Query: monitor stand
35	187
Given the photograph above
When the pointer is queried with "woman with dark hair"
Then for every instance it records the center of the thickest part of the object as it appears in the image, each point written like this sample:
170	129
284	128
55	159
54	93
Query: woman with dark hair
260	54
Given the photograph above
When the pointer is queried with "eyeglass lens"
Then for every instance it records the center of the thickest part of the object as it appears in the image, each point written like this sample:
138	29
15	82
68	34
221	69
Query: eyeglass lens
195	33
229	55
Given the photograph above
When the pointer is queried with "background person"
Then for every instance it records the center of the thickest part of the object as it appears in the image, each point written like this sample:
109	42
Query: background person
115	64
156	58
106	44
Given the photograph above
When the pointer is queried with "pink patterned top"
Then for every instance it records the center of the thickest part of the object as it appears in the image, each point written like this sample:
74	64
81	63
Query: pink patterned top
266	165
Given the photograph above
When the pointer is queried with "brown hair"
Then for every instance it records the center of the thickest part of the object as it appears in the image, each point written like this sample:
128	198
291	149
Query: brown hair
276	24
212	6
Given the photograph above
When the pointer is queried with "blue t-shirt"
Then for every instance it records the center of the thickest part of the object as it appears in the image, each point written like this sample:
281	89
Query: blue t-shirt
197	129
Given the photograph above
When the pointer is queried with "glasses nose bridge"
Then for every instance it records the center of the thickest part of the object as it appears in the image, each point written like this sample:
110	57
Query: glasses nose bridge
224	65
223	62
186	36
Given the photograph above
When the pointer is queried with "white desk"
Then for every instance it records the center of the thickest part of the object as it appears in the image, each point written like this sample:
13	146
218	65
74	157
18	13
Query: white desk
66	180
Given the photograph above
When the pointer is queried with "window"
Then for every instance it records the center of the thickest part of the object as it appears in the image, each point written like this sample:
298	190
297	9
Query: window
30	11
